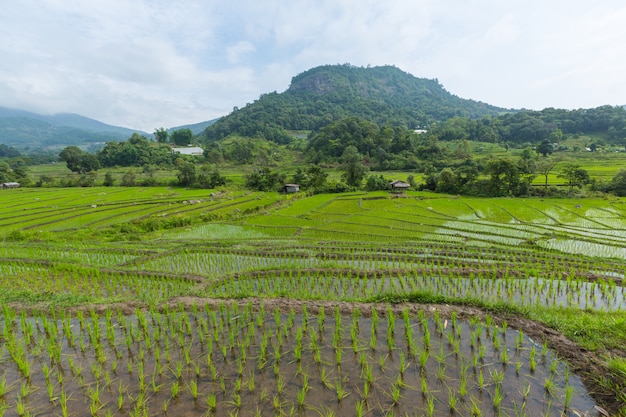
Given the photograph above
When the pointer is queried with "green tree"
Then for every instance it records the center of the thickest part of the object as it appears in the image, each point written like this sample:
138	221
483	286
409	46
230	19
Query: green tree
411	180
210	178
264	179
71	155
505	178
352	166
129	179
618	184
545	148
79	161
6	174
317	177
88	163
161	135
109	180
182	137
376	183
575	176
186	172
447	182
149	171
545	167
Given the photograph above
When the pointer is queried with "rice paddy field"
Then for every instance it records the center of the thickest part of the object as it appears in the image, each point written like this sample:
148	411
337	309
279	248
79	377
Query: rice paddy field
165	301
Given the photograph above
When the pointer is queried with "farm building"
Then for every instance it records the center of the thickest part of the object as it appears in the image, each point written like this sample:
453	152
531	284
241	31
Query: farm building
189	150
400	186
10	185
291	188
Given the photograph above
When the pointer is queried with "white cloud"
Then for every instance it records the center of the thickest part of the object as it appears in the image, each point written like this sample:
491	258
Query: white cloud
152	63
235	52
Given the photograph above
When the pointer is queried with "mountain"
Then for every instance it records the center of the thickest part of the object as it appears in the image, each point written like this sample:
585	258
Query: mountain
195	128
384	95
26	130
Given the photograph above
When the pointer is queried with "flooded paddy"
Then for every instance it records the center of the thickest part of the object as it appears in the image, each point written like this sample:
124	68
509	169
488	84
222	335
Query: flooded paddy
246	361
344	285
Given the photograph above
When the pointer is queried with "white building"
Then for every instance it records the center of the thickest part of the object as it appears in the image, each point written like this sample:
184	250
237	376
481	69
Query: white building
189	150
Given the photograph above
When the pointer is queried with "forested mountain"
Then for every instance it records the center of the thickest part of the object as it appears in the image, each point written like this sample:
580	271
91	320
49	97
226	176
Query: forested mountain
22	129
322	95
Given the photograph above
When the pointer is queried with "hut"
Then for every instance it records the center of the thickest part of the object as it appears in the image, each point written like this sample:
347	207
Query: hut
291	188
399	186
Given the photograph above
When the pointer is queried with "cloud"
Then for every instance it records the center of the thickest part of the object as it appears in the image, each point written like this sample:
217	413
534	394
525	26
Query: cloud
235	52
153	63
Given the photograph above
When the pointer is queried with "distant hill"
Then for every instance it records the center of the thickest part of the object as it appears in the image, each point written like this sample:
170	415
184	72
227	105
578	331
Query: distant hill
26	130
196	128
322	95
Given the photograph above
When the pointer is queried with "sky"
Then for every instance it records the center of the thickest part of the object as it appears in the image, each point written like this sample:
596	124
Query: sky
146	64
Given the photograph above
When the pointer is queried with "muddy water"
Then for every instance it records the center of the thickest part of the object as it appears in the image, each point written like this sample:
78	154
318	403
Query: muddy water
252	363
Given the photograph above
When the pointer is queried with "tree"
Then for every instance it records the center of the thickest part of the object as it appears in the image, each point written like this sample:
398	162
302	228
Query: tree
316	177
545	148
376	183
447	182
129	179
264	180
544	167
504	178
6	174
79	161
618	184
575	176
109	180
182	137
210	178
186	172
332	140
71	156
161	135
352	166
88	163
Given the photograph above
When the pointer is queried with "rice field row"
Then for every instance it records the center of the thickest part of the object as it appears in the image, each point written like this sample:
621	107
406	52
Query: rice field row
246	361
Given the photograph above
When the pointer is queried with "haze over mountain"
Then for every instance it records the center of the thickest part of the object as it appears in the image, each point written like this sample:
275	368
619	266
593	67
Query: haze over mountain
26	130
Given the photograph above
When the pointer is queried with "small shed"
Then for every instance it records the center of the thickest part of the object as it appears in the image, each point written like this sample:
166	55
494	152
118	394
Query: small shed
291	188
11	185
400	186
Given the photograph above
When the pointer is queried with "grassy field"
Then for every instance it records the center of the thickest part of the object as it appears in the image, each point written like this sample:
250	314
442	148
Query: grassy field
167	301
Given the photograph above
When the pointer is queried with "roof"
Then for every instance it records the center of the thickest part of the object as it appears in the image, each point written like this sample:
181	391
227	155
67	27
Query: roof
400	184
189	150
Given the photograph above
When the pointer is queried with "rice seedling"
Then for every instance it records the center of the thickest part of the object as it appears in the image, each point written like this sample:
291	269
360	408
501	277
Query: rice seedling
341	390
211	401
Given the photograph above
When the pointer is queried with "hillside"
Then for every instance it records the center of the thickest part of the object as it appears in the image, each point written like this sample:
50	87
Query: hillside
196	128
319	96
26	130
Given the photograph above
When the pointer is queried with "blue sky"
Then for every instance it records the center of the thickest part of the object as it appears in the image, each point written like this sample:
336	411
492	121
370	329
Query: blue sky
145	64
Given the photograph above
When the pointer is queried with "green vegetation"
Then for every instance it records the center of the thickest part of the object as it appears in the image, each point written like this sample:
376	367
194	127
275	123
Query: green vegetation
74	260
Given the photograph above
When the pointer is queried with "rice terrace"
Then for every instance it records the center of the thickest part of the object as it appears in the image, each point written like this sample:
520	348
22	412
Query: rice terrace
158	301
